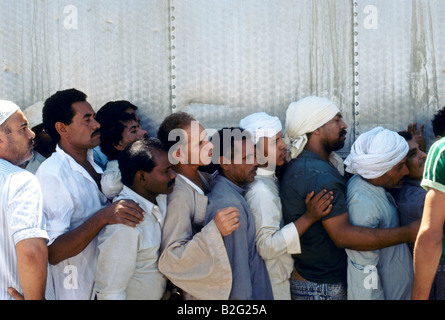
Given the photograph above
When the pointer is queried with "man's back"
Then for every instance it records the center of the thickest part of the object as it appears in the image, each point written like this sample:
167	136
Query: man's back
320	261
250	277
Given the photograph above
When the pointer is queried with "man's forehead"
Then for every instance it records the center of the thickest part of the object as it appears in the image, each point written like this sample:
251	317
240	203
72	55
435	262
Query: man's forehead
82	108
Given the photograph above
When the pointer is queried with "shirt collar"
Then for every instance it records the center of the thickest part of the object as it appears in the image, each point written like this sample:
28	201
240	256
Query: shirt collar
74	164
234	186
147	205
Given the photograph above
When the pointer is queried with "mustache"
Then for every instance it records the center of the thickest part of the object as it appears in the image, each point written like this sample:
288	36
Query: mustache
95	132
343	133
171	182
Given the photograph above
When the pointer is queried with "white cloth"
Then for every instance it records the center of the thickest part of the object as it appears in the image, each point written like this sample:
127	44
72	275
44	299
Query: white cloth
7	108
127	266
275	243
33	114
111	180
261	125
305	116
70	197
375	152
21	218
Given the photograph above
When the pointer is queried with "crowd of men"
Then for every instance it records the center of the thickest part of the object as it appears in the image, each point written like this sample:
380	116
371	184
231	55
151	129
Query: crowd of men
93	208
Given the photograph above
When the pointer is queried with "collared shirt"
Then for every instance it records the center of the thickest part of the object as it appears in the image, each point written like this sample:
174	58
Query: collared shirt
275	243
127	266
193	256
250	277
21	218
70	197
386	273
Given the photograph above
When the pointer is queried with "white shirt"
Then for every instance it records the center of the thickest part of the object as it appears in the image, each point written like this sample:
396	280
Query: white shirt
70	197
127	266
111	180
21	218
275	242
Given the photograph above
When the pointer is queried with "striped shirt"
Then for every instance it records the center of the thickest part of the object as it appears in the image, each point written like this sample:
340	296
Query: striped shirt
434	173
21	218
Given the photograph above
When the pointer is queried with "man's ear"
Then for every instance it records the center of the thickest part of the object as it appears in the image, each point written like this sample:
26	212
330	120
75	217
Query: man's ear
119	146
140	177
61	128
179	156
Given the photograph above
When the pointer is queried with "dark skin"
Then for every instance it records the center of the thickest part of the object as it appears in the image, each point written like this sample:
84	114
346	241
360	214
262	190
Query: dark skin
340	230
76	139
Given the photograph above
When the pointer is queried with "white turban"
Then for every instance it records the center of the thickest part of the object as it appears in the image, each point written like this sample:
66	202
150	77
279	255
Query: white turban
261	125
375	152
7	108
305	116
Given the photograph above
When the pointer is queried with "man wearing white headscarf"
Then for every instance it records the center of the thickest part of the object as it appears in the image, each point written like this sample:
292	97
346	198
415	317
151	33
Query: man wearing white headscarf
275	242
378	161
24	255
314	130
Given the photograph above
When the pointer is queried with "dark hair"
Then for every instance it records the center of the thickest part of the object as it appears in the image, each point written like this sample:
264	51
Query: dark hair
438	123
111	133
405	134
221	148
107	113
138	156
178	120
58	108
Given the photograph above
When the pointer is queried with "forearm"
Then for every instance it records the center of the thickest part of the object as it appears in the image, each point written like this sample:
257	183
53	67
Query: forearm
303	223
73	242
346	235
32	261
427	252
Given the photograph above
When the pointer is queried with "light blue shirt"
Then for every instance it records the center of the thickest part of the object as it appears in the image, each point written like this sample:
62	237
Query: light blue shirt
384	274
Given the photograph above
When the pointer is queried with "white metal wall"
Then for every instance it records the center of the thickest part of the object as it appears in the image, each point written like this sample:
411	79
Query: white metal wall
381	61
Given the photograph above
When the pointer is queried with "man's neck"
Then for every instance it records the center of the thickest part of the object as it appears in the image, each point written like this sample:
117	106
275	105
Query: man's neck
145	194
318	150
80	155
190	172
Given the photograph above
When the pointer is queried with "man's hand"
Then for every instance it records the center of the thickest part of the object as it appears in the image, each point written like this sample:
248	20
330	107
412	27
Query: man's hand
319	205
126	212
15	294
227	220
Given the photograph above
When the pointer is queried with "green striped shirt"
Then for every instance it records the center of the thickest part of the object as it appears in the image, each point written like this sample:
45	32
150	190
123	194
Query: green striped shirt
434	173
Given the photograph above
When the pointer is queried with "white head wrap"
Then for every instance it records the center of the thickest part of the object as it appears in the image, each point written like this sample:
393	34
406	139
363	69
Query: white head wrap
304	116
261	125
7	108
34	114
375	152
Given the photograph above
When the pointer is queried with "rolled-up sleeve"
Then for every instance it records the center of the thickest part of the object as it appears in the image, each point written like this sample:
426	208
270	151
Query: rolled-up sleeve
271	239
25	217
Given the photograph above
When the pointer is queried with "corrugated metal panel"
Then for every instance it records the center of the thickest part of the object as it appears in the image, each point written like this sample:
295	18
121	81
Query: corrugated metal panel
109	49
400	63
236	56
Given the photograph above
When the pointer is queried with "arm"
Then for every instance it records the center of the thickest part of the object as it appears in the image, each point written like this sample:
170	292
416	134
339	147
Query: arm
317	207
32	259
345	235
428	246
73	242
